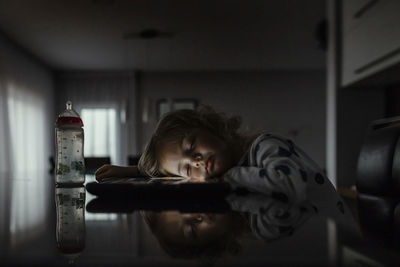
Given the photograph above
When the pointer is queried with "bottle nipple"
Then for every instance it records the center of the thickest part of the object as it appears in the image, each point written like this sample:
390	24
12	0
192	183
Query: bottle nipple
69	105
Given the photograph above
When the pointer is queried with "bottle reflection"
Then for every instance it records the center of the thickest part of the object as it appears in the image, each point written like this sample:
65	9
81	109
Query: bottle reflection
70	229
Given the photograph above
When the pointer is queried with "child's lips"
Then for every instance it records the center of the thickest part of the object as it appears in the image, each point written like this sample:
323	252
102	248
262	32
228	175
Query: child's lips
209	164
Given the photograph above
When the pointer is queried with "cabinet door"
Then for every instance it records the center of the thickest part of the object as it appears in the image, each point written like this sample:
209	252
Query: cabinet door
353	10
371	38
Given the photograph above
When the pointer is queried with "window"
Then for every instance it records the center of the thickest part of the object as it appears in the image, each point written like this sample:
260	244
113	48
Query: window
167	105
26	117
100	126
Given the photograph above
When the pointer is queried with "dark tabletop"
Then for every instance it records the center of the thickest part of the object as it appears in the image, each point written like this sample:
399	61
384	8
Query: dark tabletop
45	225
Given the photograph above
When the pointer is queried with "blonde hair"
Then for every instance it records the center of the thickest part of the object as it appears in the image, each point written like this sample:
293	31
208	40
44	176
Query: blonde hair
176	125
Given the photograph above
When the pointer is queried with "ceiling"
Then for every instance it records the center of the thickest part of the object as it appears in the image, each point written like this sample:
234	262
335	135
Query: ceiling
195	34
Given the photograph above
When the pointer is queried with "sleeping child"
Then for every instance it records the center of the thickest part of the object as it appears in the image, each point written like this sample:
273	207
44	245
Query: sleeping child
204	145
285	187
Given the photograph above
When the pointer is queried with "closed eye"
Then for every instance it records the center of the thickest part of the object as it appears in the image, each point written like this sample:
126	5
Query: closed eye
192	143
188	170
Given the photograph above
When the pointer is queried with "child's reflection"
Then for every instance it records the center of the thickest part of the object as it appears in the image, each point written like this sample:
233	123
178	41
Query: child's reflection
197	235
211	235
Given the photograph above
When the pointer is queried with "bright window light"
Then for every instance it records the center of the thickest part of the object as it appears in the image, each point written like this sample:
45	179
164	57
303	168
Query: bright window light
100	126
26	115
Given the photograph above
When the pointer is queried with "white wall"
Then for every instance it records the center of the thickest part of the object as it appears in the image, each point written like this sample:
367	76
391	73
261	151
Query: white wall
291	103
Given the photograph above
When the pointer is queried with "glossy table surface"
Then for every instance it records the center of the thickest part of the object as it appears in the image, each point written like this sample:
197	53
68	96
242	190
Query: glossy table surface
45	225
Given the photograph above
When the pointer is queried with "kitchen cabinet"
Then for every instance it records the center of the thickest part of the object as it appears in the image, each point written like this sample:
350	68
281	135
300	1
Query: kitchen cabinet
370	38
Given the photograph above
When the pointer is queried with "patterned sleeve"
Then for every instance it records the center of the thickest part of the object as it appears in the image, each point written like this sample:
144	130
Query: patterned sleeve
274	167
270	219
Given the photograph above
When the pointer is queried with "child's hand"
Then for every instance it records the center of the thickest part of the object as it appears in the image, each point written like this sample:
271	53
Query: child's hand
113	171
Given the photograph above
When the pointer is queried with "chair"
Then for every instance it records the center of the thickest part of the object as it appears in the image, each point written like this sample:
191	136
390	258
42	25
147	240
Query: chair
93	163
378	182
133	159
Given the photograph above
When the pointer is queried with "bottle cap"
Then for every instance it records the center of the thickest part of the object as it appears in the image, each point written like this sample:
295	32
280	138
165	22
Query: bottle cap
69	117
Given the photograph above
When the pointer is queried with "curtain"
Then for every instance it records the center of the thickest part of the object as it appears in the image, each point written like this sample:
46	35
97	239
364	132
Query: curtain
5	158
26	111
26	118
100	132
24	131
26	142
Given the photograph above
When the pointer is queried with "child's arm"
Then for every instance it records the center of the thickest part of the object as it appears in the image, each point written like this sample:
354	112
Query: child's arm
113	171
274	167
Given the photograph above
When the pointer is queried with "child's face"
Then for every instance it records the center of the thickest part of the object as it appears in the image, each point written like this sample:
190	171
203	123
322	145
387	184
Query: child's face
198	156
193	228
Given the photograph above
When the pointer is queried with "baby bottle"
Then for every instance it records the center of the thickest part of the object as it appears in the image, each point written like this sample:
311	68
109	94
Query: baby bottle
70	229
70	163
